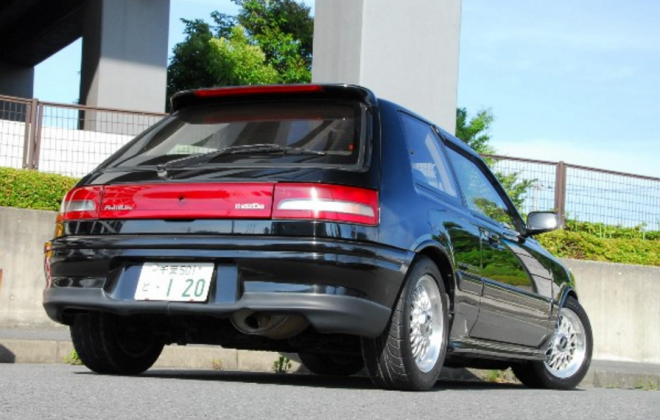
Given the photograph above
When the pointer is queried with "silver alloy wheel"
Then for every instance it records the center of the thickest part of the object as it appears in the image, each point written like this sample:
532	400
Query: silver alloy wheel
567	348
426	323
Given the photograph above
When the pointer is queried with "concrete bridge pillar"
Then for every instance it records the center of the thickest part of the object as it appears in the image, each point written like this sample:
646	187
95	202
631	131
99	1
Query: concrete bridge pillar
124	59
405	51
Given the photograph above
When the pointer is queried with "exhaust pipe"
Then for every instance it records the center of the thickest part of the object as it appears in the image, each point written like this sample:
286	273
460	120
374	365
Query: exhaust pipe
277	327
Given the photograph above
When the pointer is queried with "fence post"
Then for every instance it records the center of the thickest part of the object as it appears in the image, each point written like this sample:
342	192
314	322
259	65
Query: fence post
37	137
30	128
560	192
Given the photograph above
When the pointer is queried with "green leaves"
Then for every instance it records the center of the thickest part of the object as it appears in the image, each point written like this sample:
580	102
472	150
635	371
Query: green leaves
234	61
583	245
33	190
475	132
268	42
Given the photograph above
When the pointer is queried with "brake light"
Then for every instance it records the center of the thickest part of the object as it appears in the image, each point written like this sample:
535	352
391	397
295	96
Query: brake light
256	90
81	203
326	202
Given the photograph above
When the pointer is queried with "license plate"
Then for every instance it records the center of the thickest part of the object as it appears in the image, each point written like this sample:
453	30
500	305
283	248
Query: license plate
177	282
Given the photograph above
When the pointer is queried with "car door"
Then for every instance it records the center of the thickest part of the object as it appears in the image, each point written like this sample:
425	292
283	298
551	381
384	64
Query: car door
513	308
446	216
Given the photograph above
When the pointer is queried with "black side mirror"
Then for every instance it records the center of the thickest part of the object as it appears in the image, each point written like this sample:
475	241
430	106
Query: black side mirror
541	221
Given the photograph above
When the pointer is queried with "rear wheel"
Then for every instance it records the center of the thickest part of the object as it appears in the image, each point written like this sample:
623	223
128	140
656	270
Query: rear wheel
110	344
332	364
568	354
410	352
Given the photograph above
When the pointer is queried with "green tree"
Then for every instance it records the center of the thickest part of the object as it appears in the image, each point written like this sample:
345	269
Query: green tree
268	20
233	61
475	133
188	68
279	31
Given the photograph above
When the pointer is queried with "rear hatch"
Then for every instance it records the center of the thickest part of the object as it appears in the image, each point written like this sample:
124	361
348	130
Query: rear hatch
274	152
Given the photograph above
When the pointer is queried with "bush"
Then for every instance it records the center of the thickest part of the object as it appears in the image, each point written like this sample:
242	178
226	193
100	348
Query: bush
584	245
33	190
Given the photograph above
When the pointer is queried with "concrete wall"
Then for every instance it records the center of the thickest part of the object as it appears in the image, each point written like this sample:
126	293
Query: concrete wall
623	304
22	237
621	300
406	52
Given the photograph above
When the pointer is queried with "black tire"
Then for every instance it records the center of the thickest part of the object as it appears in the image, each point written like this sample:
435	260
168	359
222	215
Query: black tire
390	359
569	353
332	364
107	344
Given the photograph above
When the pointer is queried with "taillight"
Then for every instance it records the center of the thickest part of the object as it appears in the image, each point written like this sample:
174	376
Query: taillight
81	203
326	202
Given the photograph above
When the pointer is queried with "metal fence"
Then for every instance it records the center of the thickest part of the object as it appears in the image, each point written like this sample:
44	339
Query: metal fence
586	194
66	139
72	140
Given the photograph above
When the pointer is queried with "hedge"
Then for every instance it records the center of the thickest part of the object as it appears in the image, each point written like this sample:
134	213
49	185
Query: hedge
588	246
33	190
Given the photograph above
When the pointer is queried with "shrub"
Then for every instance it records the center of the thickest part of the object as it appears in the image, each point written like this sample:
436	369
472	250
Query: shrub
584	245
33	190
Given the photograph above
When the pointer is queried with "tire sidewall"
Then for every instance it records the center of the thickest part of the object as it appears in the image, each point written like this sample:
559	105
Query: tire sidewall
424	380
551	381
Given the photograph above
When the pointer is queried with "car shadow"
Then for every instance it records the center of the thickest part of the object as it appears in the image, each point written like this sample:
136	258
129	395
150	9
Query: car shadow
305	380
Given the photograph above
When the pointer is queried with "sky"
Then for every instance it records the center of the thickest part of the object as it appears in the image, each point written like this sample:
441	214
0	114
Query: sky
577	81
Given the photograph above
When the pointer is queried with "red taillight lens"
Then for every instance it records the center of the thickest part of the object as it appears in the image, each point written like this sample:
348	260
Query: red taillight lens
326	202
81	203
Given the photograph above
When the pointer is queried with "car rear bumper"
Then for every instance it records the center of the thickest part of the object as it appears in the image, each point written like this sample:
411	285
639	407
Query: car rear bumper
338	286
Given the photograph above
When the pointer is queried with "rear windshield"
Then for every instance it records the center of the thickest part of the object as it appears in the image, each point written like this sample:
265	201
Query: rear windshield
274	134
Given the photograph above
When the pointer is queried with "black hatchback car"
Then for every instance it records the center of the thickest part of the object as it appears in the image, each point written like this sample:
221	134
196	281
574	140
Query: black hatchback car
315	219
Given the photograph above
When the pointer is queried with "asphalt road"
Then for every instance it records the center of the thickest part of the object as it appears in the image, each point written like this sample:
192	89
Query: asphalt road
29	391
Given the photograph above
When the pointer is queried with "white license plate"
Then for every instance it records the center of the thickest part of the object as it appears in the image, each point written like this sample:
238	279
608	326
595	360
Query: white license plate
179	282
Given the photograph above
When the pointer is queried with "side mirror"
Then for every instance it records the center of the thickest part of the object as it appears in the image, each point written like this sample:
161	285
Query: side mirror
541	221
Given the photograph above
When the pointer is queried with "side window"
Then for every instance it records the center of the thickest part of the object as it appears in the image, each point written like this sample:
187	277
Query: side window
480	194
428	163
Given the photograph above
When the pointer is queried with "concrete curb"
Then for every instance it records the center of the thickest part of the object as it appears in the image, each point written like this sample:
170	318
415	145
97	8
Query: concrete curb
603	374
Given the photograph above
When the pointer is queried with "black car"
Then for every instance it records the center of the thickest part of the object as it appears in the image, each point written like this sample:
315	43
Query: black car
314	219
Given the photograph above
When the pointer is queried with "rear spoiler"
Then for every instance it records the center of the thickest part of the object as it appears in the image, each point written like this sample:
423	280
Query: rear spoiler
235	94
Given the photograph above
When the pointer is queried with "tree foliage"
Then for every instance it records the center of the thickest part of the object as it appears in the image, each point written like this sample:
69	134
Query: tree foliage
269	41
475	133
233	61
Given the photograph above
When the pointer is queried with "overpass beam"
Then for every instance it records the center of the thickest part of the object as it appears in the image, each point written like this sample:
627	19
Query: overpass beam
16	80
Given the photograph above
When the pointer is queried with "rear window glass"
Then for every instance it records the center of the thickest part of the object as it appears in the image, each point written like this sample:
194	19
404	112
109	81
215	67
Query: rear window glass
301	134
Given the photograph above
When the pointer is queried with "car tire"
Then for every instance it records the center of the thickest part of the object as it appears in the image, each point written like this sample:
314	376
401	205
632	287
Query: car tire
106	344
409	354
568	352
331	364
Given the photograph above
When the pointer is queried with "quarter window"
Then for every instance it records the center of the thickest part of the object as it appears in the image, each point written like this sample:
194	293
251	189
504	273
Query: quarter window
428	163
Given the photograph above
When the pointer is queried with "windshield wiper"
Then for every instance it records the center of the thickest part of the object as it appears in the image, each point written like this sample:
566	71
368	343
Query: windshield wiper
242	149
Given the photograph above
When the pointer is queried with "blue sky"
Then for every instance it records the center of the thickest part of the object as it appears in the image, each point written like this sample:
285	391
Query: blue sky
577	81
